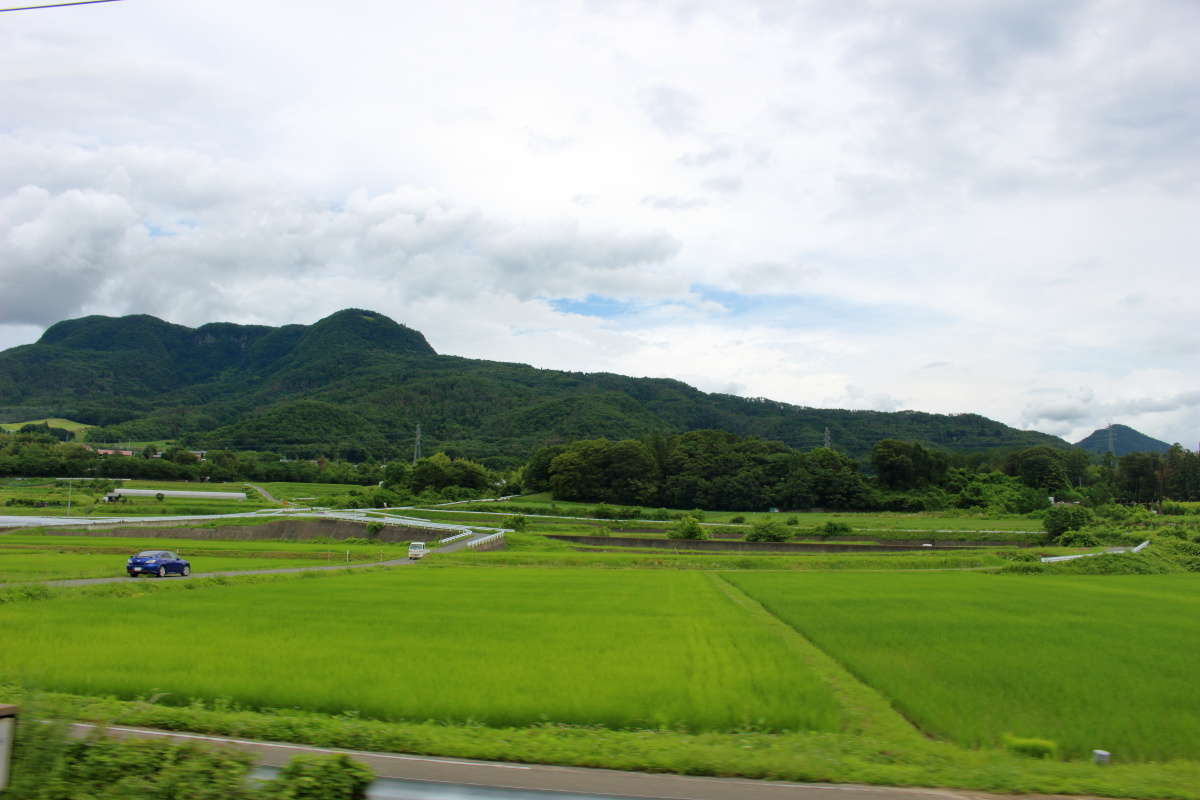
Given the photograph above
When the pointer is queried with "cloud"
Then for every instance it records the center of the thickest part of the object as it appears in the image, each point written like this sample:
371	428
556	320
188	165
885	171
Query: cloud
672	203
704	158
672	111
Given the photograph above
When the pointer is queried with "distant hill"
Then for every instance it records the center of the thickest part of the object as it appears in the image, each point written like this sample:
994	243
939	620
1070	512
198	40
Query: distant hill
1124	440
356	384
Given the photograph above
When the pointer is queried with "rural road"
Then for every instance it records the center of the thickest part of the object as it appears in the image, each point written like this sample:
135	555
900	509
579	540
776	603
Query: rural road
395	562
431	776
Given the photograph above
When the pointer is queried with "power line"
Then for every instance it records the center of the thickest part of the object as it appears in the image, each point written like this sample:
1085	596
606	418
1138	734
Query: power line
59	5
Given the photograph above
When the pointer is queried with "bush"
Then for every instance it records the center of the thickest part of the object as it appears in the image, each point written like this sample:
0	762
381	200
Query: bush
1034	748
737	520
768	530
374	529
831	528
1060	519
1078	539
516	522
792	521
687	528
332	777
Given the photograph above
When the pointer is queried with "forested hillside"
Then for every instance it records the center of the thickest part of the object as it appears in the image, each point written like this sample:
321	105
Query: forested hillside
356	384
1123	440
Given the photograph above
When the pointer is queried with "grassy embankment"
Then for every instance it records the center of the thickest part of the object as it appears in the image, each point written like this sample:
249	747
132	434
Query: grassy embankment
864	521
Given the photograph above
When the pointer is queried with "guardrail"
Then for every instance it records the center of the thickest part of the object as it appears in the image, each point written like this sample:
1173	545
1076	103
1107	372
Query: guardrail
454	538
477	543
1138	549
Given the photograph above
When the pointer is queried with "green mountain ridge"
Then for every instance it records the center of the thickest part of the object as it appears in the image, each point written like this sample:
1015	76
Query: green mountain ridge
356	384
1125	440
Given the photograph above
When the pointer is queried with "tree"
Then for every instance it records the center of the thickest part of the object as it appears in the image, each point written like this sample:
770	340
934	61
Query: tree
1060	519
768	530
687	528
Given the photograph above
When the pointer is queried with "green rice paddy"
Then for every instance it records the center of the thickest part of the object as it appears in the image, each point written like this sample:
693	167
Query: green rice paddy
1088	662
498	647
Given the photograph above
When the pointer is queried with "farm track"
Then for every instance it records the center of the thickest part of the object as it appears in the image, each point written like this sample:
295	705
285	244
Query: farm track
394	562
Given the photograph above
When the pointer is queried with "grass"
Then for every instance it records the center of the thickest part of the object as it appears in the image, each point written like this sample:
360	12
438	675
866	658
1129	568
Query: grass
1089	662
498	647
924	521
40	565
54	422
34	557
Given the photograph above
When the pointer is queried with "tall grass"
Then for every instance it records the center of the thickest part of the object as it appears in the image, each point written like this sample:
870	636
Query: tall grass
1089	662
500	647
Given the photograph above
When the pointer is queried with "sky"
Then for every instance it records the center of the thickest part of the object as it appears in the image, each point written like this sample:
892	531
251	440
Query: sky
955	207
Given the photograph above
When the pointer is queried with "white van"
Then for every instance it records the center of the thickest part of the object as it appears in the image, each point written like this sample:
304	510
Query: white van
417	550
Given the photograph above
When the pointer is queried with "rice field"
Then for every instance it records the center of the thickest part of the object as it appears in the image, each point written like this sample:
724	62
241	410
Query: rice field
627	649
18	566
34	557
1086	661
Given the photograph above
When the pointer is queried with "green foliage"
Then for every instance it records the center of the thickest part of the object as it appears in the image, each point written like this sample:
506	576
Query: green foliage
830	529
374	529
1060	519
49	765
329	777
516	522
907	465
768	530
1033	748
687	528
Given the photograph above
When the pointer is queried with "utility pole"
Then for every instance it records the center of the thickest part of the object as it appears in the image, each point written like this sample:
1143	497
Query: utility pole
417	446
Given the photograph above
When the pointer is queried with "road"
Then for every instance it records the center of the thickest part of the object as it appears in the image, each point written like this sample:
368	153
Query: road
456	777
395	562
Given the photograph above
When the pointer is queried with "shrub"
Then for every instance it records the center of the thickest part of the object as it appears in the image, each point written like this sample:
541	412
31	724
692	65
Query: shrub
738	520
332	777
1060	519
374	529
1078	539
687	528
1034	748
792	521
768	530
516	522
832	529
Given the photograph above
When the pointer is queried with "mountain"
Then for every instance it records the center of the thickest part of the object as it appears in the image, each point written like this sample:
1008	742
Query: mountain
1124	440
356	384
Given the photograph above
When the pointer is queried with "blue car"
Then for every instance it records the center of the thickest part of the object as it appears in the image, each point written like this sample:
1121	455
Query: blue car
157	562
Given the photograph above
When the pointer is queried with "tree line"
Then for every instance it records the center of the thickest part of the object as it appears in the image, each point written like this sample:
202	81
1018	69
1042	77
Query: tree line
723	471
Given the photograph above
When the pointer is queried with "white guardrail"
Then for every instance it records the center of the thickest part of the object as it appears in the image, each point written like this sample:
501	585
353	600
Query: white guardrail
485	540
455	537
1138	549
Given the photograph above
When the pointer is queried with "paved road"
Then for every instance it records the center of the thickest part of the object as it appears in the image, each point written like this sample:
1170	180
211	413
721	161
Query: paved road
395	562
473	778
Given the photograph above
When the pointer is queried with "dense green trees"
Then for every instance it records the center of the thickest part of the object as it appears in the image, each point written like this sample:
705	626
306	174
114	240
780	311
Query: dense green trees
701	469
719	470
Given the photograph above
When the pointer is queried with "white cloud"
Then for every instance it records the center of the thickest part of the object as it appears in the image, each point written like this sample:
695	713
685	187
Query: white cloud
1019	177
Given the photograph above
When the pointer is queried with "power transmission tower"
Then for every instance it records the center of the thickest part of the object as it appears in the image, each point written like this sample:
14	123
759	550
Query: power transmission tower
1112	448
828	438
417	446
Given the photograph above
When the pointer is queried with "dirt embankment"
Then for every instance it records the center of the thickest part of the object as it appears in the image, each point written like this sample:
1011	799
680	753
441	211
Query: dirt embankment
288	530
